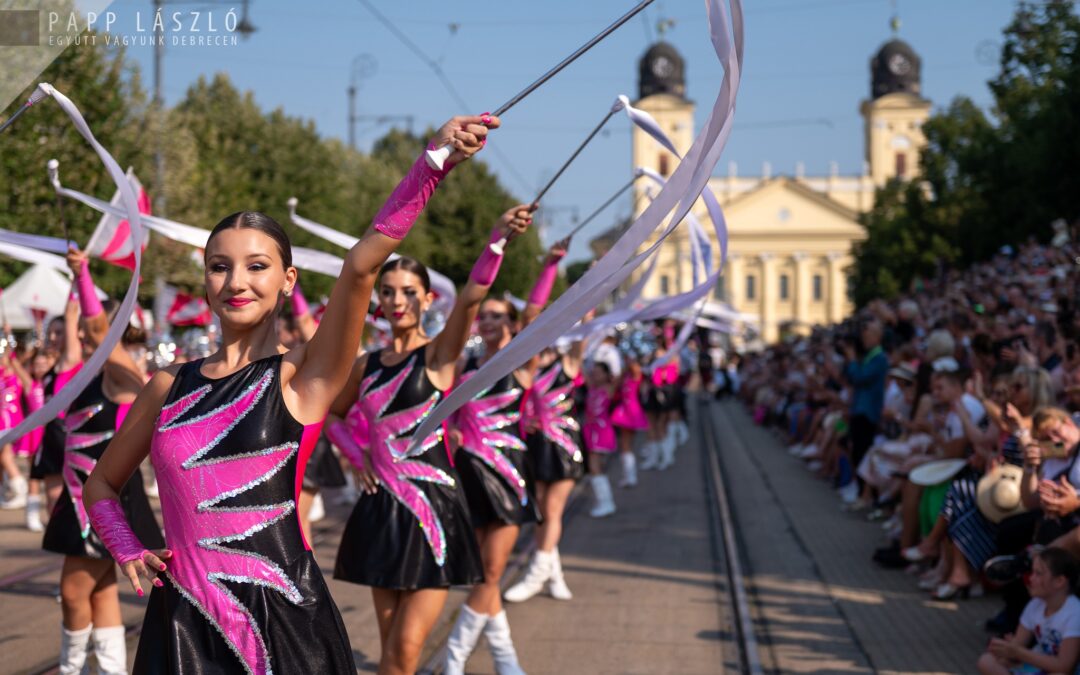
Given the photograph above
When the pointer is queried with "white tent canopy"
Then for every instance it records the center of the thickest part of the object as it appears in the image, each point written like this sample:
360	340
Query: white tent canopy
40	287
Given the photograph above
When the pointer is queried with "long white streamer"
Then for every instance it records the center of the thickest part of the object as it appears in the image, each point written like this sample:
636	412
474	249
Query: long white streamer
676	198
308	259
34	256
440	283
93	365
34	241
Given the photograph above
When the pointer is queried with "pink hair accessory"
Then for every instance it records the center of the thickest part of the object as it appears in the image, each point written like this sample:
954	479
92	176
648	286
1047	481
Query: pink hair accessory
299	302
108	520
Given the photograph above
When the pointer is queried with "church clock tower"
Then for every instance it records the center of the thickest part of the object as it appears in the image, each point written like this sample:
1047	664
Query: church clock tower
895	113
662	93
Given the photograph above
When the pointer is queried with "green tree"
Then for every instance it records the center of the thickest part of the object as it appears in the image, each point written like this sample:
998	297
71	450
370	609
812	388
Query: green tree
107	89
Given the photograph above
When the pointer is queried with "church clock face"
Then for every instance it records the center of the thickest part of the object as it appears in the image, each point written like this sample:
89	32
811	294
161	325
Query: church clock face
663	67
899	65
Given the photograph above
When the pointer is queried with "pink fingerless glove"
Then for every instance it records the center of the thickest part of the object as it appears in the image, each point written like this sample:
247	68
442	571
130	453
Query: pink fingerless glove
544	283
299	302
107	517
487	265
341	436
403	207
88	299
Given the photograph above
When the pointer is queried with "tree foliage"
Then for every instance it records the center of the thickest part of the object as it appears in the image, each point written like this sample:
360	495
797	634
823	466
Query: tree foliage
988	178
224	154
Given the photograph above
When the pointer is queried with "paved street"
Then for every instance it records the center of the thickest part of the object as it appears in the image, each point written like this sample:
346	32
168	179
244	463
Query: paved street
650	590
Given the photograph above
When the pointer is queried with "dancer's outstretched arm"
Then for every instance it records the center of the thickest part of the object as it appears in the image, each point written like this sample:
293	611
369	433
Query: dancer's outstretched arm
444	350
545	282
324	363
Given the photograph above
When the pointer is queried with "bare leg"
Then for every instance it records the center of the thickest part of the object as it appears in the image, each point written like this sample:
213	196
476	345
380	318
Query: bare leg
303	508
551	507
105	600
8	464
79	580
386	604
413	620
496	544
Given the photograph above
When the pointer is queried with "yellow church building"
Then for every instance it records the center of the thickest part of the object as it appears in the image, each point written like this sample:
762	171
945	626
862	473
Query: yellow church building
790	237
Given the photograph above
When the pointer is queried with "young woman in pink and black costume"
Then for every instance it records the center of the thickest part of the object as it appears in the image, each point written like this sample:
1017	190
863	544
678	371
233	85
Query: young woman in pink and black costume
238	590
496	475
89	596
553	439
410	537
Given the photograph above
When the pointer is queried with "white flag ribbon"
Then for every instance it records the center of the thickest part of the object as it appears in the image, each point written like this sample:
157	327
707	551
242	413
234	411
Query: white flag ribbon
93	365
678	196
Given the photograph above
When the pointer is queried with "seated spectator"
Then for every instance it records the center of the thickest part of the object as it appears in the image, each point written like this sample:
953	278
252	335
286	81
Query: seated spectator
1048	638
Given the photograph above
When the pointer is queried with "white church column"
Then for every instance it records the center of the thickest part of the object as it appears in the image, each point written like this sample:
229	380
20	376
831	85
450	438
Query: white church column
768	297
837	287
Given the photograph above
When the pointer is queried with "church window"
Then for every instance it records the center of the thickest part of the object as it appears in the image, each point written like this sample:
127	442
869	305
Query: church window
901	164
664	169
718	291
785	291
819	283
665	285
751	292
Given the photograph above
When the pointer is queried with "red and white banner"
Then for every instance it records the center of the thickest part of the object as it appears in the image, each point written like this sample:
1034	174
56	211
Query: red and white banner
111	240
187	310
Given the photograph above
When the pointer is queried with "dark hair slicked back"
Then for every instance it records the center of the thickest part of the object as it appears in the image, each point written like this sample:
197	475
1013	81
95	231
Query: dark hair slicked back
253	220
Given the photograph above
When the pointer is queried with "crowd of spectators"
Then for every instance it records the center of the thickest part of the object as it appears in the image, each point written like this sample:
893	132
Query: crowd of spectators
950	416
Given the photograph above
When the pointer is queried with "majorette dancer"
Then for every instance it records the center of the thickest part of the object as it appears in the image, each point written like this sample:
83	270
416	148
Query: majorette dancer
238	590
89	596
497	478
410	537
629	418
599	435
32	381
553	442
11	413
63	344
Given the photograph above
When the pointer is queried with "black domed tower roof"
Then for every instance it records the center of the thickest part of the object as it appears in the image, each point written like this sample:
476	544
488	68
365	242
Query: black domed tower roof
662	70
895	68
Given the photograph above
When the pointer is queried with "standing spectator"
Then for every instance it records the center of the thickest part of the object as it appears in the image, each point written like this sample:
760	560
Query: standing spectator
867	379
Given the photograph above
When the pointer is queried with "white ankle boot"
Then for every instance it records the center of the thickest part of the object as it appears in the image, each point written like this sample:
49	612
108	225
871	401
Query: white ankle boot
682	432
629	470
33	513
605	503
463	639
17	499
650	456
556	585
318	509
497	632
110	648
667	451
73	648
538	572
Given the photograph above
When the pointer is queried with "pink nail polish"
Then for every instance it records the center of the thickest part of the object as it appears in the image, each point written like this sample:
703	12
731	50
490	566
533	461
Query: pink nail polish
140	592
163	568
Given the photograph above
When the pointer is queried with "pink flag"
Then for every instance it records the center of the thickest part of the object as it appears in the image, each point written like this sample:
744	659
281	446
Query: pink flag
111	240
189	311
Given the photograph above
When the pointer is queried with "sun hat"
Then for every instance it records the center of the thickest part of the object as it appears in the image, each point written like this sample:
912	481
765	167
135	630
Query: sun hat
998	493
936	472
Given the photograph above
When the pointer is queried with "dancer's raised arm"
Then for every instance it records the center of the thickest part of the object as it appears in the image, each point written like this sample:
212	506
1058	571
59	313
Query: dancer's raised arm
324	363
446	348
545	282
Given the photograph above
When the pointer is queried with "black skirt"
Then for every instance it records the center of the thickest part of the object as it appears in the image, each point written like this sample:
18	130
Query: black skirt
49	460
550	462
323	468
491	499
384	546
177	639
63	534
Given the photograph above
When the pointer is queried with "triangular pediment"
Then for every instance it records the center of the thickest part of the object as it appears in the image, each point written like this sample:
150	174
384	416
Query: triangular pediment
784	207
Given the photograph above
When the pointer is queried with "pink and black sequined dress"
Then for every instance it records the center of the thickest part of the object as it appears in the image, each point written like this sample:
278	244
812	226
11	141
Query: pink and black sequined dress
415	531
243	593
598	431
555	450
90	423
495	473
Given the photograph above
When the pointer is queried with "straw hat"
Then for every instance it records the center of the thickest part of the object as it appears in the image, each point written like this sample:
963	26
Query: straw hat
998	493
936	472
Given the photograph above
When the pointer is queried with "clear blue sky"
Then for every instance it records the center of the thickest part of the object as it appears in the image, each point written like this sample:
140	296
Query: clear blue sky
807	69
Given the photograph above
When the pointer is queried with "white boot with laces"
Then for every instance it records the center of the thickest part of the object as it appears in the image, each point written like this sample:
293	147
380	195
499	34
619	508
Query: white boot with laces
536	575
